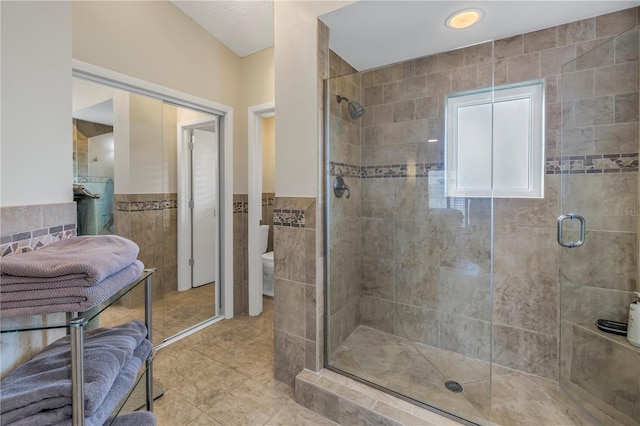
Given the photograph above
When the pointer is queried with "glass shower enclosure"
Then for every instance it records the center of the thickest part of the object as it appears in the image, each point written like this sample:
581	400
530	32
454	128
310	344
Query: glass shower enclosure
409	266
446	284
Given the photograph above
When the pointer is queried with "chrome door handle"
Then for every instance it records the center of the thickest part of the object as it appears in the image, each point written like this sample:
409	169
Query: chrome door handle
571	244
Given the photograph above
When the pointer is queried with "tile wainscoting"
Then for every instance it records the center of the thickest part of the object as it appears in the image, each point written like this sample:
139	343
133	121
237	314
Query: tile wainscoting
298	297
26	228
151	221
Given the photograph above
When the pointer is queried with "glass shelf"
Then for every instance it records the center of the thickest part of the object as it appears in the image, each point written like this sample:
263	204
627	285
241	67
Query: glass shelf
76	322
42	321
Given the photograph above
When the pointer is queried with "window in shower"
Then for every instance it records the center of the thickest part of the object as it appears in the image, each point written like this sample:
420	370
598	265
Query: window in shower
495	143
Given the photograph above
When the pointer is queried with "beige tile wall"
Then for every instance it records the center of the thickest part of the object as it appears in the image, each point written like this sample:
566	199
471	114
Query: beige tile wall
150	220
297	297
345	250
240	253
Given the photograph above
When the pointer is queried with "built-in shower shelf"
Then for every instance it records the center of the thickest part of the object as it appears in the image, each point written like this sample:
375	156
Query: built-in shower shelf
599	369
620	340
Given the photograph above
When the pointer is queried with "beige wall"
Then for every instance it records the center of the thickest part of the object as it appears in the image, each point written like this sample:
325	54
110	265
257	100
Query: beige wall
153	41
296	94
36	95
169	49
156	42
268	154
257	76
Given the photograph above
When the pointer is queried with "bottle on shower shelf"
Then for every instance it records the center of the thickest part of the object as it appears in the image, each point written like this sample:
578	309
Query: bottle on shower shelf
633	328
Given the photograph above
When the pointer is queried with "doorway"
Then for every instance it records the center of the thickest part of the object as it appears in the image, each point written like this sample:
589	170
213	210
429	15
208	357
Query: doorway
256	114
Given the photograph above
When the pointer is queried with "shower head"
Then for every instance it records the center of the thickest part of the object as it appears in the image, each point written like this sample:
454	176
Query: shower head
355	109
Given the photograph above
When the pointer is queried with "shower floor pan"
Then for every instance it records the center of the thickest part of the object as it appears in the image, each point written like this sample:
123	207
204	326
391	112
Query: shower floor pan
420	371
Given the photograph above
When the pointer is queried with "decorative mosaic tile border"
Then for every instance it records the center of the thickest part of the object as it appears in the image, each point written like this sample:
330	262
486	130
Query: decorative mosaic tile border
286	217
399	170
240	207
92	179
384	171
21	242
583	164
268	201
243	206
140	206
579	164
344	170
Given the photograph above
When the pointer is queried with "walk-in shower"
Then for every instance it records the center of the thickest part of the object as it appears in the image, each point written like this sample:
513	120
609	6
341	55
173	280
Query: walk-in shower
450	291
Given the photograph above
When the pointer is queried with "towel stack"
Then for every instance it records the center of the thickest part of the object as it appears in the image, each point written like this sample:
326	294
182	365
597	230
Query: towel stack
39	391
71	275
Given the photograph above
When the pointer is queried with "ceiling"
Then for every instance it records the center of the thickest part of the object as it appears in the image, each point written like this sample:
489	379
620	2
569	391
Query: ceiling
244	26
370	33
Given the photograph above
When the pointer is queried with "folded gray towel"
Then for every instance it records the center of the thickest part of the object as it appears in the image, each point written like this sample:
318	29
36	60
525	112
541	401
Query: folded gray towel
135	418
67	299
120	388
77	261
44	383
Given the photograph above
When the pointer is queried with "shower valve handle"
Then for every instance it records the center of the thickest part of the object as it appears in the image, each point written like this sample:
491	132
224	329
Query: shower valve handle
339	187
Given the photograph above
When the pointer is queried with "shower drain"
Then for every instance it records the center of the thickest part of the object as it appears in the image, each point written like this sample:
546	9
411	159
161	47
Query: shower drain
453	386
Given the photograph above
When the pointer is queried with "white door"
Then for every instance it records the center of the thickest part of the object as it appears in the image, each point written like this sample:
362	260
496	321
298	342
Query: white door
204	196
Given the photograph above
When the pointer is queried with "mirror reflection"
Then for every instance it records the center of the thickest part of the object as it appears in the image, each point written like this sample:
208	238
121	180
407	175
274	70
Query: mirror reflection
148	171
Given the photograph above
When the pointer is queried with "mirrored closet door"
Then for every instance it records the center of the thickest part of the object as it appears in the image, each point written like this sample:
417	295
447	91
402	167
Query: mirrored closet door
148	170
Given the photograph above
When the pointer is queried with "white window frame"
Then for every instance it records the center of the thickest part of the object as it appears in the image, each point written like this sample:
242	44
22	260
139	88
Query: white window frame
532	92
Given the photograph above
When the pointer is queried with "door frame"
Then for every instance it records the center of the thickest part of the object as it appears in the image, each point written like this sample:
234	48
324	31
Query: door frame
132	84
254	117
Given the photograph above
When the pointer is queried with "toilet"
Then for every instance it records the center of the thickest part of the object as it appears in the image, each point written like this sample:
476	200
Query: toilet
267	261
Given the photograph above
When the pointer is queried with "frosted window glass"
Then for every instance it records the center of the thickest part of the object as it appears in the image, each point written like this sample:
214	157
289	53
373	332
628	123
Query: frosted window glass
474	146
512	143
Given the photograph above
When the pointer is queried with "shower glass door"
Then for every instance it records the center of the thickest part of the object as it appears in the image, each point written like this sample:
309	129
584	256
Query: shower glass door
598	165
409	265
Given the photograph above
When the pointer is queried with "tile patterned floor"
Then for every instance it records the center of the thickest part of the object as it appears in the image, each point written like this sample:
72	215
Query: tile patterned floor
183	309
223	375
420	371
173	313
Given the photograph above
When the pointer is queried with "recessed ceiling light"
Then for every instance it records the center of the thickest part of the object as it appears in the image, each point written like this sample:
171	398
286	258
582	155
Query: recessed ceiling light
464	18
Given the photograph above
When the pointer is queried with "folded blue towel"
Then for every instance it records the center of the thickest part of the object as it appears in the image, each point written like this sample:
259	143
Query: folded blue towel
69	298
135	418
78	261
120	388
44	383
